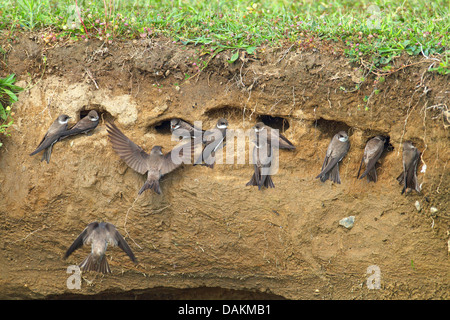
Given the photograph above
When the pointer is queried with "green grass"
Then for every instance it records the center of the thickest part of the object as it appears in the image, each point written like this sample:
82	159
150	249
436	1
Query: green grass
8	96
373	32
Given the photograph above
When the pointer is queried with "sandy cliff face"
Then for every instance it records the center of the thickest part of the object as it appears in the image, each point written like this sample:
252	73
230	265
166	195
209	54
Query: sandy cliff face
208	235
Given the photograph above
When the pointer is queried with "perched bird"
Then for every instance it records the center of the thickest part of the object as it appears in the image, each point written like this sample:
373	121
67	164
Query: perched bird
337	149
213	140
53	135
156	164
99	235
262	161
86	124
408	177
372	152
184	129
283	142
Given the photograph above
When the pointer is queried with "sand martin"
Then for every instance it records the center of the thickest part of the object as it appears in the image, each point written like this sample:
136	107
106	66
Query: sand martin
283	142
372	152
85	125
184	129
99	235
213	140
53	135
411	158
262	160
337	149
156	164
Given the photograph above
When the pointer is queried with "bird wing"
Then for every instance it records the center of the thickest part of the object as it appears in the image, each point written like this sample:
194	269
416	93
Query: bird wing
192	128
334	154
329	163
360	166
257	165
51	136
284	143
213	140
80	127
176	157
133	155
325	162
339	151
79	241
411	171
265	162
217	142
118	240
45	143
373	153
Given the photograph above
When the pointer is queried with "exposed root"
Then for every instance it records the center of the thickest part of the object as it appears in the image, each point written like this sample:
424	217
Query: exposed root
444	114
31	233
89	73
125	223
377	73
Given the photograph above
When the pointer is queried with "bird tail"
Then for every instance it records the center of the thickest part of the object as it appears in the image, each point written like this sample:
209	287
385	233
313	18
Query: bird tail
323	176
333	175
401	180
330	170
268	183
204	164
208	165
47	154
408	182
412	183
372	175
400	177
151	184
252	181
200	162
90	264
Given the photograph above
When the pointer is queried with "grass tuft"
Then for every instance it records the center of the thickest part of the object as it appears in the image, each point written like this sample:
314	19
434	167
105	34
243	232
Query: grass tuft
374	32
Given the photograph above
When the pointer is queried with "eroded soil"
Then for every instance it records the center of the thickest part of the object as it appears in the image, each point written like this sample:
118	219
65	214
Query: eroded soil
208	235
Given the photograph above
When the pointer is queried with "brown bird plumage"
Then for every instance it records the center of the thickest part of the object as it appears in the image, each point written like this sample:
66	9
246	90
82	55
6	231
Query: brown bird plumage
156	164
53	135
283	142
372	152
99	236
262	160
337	149
213	140
85	125
408	177
185	129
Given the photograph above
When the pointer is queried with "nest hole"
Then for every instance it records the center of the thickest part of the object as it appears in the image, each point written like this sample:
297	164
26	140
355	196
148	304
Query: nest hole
387	144
227	112
369	134
279	123
102	113
331	127
162	127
